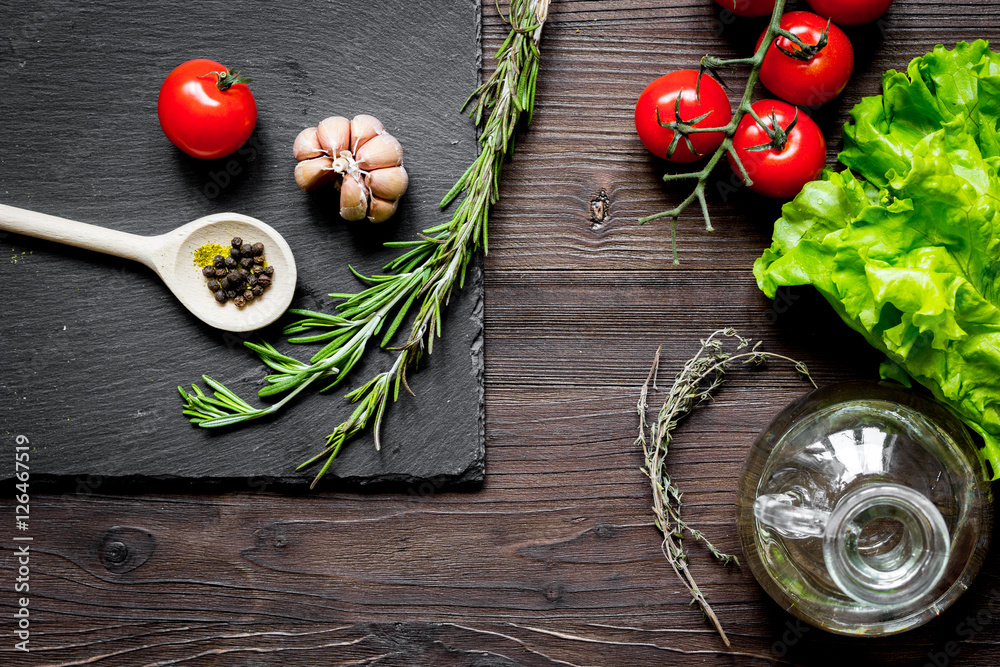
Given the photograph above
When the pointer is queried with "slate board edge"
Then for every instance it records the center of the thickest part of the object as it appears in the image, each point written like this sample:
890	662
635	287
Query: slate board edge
470	477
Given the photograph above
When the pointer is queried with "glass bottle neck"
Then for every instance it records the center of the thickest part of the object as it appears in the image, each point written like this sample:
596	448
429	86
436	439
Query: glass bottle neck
886	545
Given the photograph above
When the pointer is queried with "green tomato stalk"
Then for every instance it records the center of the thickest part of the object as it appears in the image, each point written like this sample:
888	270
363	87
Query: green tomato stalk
684	128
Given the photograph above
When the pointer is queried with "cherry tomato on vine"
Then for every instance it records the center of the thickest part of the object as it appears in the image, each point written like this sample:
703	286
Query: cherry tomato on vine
206	110
679	91
779	165
850	12
748	7
811	76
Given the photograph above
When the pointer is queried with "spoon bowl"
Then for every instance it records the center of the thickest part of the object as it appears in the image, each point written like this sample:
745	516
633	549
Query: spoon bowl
172	257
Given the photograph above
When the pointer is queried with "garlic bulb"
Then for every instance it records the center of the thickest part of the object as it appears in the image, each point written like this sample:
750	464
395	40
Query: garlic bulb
360	158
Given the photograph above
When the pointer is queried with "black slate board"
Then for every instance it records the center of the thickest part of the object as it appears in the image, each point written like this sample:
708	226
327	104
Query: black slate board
93	347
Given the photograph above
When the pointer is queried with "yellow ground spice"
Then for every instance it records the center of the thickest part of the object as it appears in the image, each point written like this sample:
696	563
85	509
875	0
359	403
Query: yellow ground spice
204	255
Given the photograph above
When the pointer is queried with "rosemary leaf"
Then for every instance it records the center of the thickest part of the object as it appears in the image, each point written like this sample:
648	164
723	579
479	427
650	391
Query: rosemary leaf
417	284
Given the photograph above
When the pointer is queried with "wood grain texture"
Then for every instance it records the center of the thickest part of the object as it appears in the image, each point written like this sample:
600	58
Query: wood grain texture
554	561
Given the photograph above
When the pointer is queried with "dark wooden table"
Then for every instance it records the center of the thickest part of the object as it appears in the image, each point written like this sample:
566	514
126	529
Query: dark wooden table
554	561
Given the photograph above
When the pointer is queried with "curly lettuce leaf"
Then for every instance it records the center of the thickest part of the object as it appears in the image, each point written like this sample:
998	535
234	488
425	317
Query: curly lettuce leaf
960	85
909	253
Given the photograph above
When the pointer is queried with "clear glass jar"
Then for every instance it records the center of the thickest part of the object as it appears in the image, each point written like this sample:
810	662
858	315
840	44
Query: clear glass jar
864	510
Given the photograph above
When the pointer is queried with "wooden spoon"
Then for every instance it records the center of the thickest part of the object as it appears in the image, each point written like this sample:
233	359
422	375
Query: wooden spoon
171	256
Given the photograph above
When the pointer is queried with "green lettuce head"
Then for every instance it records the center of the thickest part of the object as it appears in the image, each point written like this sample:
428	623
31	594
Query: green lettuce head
909	253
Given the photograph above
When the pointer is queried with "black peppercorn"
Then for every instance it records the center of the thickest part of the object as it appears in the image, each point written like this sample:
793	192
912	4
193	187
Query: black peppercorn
241	276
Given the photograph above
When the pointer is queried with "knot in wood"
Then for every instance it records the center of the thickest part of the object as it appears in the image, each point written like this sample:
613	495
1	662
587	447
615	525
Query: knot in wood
116	552
600	209
122	548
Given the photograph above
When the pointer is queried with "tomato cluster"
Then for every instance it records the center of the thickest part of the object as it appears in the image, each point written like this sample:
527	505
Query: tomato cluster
843	12
777	145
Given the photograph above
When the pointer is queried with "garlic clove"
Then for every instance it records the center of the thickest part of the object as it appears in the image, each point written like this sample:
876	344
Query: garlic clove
334	134
306	145
381	210
363	128
310	174
389	183
353	200
379	152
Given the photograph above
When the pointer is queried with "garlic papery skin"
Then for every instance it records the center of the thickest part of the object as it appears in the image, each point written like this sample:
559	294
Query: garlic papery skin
360	159
381	210
363	128
310	174
379	152
334	135
353	199
389	183
306	145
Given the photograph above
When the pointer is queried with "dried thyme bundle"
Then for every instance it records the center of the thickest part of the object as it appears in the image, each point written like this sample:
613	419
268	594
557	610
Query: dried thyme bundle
701	376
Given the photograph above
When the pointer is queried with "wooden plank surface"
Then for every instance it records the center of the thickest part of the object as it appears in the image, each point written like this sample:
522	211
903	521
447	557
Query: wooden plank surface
554	561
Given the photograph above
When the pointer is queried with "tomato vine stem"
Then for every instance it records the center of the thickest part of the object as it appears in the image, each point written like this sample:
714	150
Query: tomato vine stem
712	64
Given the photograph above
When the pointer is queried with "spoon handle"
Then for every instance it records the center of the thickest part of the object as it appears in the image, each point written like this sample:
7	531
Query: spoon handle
78	234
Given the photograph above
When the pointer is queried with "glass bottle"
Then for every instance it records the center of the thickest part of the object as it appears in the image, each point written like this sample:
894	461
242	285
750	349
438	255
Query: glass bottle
864	510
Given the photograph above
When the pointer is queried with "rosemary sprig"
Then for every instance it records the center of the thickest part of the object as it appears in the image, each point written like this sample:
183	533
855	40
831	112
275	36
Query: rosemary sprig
684	128
701	376
418	282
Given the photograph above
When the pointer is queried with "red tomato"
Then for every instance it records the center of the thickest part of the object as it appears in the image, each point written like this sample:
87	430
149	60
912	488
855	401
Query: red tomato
748	7
792	160
850	12
205	110
808	82
663	94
